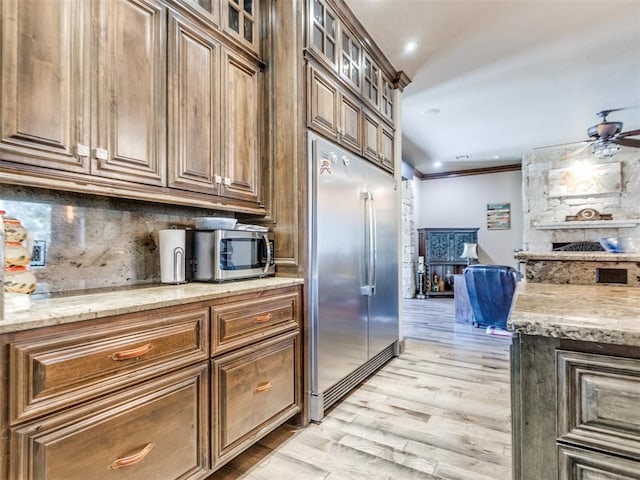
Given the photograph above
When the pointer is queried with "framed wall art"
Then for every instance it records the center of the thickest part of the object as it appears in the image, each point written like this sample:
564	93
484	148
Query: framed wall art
498	216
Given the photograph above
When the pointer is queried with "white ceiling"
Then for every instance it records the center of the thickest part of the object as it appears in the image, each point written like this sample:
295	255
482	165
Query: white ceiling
506	76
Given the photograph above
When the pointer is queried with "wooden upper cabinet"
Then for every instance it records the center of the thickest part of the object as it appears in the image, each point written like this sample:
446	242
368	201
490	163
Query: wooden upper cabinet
371	81
193	107
44	103
130	124
323	36
350	59
240	19
322	109
241	128
378	143
350	127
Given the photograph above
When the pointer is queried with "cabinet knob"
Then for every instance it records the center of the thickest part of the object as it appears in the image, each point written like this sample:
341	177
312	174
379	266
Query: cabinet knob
227	181
101	154
82	150
217	179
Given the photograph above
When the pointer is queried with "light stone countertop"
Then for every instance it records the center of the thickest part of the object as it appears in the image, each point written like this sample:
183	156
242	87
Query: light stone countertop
579	256
56	310
592	313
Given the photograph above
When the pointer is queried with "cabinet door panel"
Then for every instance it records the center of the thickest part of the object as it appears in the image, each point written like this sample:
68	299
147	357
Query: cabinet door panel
194	122
371	150
241	129
350	124
323	105
45	94
254	392
131	114
578	464
156	430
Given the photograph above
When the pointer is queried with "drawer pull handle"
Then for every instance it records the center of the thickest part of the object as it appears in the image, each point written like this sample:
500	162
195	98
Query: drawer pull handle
262	318
132	459
133	353
264	387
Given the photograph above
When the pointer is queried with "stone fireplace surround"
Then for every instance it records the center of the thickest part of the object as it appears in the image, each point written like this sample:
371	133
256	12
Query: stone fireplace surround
545	224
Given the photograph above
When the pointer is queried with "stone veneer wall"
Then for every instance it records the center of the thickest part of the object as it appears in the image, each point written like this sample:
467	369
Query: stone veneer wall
408	240
94	242
539	209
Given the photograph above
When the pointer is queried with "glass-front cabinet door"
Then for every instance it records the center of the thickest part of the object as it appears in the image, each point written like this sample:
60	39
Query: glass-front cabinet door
241	21
208	8
324	31
371	81
350	59
386	100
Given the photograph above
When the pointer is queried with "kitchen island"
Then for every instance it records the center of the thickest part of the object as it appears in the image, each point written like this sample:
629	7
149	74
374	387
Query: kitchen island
575	382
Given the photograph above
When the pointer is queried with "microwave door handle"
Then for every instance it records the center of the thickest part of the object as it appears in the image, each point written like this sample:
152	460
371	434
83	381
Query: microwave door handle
268	248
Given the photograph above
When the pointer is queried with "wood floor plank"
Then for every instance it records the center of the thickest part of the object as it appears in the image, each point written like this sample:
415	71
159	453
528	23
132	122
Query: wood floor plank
440	411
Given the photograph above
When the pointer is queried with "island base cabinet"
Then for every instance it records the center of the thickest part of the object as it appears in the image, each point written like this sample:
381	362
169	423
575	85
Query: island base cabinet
157	430
254	392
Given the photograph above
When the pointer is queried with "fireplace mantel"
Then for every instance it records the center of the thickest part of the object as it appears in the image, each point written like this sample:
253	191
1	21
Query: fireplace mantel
587	224
578	256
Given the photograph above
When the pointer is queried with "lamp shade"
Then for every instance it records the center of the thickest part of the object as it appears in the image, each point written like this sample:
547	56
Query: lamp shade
470	250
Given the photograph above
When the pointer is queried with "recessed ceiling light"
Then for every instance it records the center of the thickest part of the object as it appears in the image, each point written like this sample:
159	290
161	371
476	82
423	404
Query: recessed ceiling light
410	46
437	164
497	157
432	111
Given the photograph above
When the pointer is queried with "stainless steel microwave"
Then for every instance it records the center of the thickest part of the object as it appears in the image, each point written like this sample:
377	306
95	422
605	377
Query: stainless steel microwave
221	255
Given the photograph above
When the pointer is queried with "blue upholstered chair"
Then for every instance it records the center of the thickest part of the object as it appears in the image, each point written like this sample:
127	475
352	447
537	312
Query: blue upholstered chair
490	289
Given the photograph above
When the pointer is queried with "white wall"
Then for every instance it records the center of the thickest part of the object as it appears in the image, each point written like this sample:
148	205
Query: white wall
462	202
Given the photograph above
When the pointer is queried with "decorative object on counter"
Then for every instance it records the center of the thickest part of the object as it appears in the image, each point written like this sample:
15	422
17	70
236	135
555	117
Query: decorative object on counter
172	256
421	270
588	214
621	244
18	281
470	253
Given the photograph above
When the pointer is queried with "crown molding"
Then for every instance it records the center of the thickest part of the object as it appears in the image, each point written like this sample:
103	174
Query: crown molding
463	173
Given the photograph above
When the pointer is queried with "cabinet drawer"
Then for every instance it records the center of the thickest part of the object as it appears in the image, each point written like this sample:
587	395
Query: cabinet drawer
598	398
578	464
52	372
254	392
240	323
157	430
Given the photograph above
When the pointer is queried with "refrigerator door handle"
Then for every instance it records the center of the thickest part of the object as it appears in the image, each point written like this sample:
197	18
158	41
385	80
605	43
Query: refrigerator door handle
373	254
366	289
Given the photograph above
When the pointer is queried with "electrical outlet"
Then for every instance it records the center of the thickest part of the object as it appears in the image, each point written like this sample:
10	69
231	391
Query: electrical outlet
39	253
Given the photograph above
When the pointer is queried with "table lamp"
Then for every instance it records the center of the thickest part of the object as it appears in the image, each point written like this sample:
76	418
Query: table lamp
470	252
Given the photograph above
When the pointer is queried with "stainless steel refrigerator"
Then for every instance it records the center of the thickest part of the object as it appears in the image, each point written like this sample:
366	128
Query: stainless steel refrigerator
353	271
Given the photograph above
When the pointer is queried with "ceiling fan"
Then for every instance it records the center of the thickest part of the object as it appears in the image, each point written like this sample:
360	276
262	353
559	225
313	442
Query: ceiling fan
605	137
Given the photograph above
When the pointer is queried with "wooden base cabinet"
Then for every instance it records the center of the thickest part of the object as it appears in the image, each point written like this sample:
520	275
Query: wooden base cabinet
254	392
157	430
145	395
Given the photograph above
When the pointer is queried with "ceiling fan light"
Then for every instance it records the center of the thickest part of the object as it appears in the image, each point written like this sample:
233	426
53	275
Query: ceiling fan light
605	149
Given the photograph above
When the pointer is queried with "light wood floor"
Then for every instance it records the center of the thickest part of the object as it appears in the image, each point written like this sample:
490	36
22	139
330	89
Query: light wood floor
439	411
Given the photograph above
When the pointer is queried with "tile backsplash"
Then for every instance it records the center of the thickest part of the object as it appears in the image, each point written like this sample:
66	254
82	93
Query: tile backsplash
91	241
